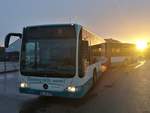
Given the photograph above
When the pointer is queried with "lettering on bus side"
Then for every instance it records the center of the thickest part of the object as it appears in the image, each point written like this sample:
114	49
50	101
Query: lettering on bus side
34	80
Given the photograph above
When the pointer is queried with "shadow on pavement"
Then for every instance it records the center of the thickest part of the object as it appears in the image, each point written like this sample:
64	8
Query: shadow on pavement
43	102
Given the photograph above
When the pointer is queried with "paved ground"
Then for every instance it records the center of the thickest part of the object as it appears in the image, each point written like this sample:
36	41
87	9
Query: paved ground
120	90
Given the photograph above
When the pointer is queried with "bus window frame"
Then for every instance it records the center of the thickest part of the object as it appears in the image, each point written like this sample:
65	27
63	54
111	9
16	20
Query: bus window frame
81	65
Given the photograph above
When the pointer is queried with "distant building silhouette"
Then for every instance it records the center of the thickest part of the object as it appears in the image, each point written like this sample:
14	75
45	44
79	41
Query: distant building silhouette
12	52
1	53
110	40
14	47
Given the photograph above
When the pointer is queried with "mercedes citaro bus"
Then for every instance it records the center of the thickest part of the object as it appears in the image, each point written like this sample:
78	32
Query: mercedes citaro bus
59	60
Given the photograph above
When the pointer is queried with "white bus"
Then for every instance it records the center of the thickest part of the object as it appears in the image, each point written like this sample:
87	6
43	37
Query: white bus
58	60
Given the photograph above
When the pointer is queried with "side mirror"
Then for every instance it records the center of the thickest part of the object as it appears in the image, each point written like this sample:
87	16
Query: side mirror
85	49
9	35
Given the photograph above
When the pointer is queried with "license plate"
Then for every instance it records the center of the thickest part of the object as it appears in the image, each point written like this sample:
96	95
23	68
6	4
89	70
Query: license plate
45	93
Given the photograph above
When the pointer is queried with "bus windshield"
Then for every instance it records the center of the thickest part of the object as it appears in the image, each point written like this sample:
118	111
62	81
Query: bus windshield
48	55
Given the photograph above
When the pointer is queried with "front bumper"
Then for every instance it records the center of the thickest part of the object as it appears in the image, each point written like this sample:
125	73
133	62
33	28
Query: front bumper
82	90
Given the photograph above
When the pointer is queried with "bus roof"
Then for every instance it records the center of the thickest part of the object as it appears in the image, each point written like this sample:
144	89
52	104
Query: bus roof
52	25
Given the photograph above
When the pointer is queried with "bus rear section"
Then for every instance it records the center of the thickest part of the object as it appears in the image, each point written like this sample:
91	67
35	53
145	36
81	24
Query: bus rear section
120	53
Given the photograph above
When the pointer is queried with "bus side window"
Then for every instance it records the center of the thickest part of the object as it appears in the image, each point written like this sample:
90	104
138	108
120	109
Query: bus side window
85	57
85	45
84	53
85	49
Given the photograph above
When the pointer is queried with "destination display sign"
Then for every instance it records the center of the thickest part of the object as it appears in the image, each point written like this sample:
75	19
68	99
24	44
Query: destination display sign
50	32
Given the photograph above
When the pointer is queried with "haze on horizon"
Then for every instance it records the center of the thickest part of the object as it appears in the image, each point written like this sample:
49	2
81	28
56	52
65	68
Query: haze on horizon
124	20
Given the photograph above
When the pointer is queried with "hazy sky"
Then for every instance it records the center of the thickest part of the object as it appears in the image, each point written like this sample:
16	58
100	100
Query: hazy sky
125	20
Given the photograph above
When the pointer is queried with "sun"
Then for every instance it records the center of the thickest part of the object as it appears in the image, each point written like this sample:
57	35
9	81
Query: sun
141	45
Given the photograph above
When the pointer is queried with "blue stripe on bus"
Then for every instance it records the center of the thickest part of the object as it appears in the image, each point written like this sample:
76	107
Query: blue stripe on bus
82	90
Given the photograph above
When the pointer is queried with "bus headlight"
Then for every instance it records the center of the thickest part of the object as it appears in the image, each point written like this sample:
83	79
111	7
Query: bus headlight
71	89
23	85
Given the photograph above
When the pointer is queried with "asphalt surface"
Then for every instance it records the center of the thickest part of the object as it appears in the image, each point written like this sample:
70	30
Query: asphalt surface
120	90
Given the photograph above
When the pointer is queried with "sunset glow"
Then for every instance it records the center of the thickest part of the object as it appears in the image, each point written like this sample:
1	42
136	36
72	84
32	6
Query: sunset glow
141	45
